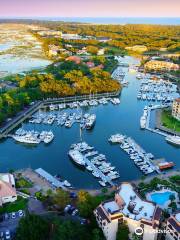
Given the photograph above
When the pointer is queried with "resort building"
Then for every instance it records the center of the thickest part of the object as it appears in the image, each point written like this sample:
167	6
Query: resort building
161	65
137	48
7	188
75	59
128	207
176	108
50	33
173	227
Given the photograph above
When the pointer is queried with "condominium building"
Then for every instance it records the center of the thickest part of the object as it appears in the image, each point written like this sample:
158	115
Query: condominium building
173	227
176	108
129	207
161	65
7	188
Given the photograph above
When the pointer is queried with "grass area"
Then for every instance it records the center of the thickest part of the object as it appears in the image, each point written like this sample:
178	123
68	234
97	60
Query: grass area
23	183
20	204
170	122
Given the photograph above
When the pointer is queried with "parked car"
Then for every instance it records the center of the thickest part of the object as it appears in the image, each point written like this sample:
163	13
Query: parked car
84	221
75	212
8	234
73	195
1	235
66	209
13	215
21	213
71	209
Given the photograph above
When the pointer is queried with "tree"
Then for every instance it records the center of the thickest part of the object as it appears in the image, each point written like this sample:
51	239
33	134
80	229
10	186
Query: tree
32	227
172	197
92	49
61	198
123	232
70	230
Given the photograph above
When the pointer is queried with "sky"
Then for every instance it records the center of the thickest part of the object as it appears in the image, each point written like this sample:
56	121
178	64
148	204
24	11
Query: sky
89	8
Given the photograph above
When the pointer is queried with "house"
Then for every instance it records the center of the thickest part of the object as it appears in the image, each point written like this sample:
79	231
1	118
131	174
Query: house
176	108
90	64
53	50
127	206
161	65
103	39
7	188
75	59
101	51
173	227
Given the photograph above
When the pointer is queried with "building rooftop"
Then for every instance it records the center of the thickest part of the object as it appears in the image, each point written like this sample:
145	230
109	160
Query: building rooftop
177	217
7	185
111	207
175	221
134	207
177	100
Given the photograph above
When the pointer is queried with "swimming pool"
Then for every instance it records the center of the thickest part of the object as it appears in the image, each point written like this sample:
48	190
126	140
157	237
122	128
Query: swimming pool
161	197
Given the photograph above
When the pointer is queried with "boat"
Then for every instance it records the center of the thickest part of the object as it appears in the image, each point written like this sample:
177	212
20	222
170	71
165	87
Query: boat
173	140
143	122
90	121
103	184
49	136
165	165
28	138
89	168
66	183
117	138
95	174
77	157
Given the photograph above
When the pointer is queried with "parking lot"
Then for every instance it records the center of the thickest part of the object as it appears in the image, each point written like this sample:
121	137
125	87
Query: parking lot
9	223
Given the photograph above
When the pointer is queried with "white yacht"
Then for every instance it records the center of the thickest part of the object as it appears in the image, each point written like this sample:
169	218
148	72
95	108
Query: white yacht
173	140
77	157
117	138
28	138
48	137
90	121
143	122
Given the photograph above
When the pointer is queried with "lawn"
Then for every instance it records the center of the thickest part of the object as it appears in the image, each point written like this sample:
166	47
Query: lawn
23	183
170	122
20	204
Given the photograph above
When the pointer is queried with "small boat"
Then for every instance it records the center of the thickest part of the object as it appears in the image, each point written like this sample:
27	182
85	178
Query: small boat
103	184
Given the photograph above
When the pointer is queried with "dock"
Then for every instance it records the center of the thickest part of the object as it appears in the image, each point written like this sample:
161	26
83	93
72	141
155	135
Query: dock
48	177
102	176
27	113
157	131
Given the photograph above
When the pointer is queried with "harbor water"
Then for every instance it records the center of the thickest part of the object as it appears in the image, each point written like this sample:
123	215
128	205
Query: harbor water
110	119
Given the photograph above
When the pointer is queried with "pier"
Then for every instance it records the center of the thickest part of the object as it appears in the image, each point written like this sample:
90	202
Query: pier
157	131
27	113
101	175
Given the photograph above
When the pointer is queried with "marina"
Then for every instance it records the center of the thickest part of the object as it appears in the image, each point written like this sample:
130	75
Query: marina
136	153
84	155
110	118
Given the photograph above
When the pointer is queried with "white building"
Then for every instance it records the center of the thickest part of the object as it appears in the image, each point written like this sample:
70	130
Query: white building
176	108
101	51
173	227
7	188
127	206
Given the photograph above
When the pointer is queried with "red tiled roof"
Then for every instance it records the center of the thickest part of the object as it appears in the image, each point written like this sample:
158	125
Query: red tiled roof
74	59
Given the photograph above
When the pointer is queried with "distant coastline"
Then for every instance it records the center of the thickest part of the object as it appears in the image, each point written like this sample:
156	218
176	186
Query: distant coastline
103	20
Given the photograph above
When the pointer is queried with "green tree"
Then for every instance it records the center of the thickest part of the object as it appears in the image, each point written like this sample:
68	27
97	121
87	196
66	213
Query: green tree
123	232
32	227
61	198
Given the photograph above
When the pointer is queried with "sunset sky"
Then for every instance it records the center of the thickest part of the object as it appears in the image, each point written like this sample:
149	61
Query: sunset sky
89	8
